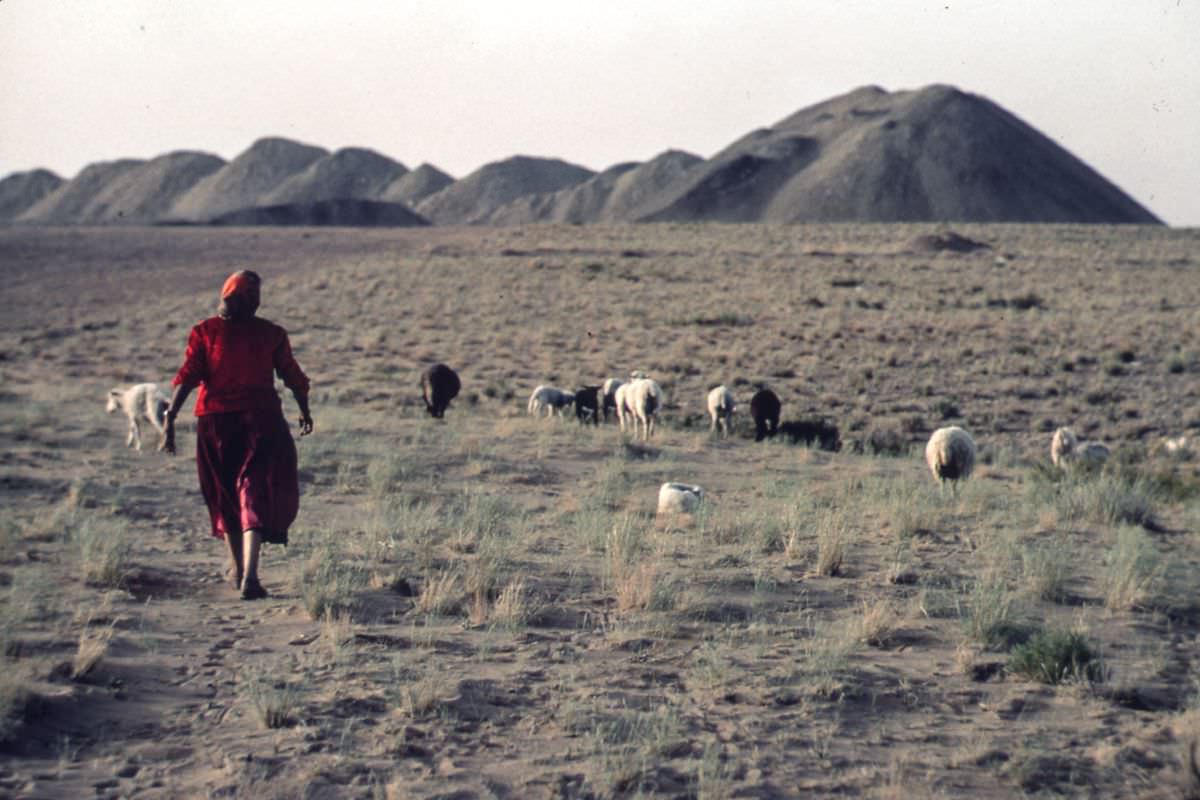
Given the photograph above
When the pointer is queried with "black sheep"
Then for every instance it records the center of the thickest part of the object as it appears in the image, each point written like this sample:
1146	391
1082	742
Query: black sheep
810	431
587	404
764	408
439	385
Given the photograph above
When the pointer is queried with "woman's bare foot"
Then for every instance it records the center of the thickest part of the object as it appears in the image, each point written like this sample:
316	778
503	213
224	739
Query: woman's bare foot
233	575
253	590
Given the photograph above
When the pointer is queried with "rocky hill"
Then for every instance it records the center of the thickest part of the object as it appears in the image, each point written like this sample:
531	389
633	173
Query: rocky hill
21	190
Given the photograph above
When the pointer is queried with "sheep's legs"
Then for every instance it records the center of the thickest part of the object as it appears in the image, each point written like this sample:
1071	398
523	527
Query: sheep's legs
251	588
135	437
234	541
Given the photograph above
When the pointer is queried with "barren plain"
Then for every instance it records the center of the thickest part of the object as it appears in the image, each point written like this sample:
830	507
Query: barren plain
486	606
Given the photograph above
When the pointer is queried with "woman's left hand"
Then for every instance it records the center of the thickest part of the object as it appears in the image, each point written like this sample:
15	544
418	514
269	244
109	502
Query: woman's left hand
306	424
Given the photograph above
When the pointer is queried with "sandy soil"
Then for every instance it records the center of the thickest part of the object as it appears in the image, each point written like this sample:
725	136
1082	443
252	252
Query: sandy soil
487	607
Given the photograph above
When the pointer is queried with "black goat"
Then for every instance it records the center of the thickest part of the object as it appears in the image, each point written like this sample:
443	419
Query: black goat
439	385
587	404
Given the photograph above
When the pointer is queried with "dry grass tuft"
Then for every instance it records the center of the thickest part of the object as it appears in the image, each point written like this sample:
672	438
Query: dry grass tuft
833	536
93	646
877	622
440	594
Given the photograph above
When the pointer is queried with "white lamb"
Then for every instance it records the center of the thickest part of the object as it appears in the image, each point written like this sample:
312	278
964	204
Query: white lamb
950	455
679	498
1066	450
550	400
638	401
720	408
140	401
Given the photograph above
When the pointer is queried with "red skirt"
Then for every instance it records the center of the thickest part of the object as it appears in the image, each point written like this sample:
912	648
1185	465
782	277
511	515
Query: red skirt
247	465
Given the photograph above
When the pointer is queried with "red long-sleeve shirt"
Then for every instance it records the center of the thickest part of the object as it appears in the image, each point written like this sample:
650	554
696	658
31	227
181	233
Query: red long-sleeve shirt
234	361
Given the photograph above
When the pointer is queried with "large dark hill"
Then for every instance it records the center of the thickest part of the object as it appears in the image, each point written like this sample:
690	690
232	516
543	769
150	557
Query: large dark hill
935	154
21	190
247	180
351	172
473	199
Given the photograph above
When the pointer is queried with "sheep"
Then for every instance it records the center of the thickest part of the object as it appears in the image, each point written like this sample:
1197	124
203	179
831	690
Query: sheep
439	385
765	408
609	390
587	404
950	455
679	498
639	401
550	400
140	401
720	409
1066	450
824	434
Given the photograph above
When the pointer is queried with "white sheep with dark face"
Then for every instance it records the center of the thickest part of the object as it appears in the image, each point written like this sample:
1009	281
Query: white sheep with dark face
950	455
550	400
140	401
1067	451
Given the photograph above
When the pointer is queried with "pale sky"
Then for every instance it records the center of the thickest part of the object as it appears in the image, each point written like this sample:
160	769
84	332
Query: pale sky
460	84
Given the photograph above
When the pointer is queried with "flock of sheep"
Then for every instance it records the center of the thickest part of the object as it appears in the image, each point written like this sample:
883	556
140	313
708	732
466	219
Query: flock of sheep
950	453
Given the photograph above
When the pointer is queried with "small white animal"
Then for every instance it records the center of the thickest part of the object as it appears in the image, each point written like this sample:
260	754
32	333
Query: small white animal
638	402
720	409
550	400
679	498
950	455
140	401
1066	450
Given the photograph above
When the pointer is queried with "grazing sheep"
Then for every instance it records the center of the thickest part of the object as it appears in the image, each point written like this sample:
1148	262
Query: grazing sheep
550	400
950	455
765	408
587	404
609	390
1177	446
809	431
720	409
639	401
439	385
679	498
140	401
1066	450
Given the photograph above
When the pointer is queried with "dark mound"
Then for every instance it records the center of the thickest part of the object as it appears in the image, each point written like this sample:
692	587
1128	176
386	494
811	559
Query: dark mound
473	199
71	201
245	181
948	242
22	190
413	187
345	212
351	172
936	154
146	193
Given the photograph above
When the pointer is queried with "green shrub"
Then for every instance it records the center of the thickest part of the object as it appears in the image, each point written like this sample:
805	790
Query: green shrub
1056	656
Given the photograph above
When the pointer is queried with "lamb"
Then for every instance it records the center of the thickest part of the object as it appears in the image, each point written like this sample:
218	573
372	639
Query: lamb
140	401
950	455
609	390
765	408
1066	450
587	404
439	385
679	498
550	400
809	431
720	409
639	401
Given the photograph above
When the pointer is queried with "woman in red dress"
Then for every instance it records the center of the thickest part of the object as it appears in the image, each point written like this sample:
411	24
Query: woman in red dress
244	450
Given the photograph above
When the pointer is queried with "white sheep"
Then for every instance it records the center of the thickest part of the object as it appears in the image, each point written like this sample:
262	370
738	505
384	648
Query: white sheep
638	401
950	455
1066	450
608	392
679	498
140	401
720	409
550	400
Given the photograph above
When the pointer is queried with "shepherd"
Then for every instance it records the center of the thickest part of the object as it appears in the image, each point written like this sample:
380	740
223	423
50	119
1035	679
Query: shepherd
245	454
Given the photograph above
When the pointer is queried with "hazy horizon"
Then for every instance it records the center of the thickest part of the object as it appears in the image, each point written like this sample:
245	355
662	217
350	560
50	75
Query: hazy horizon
459	85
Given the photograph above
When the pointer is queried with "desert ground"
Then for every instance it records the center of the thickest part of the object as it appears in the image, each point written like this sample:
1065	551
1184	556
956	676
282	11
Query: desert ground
486	606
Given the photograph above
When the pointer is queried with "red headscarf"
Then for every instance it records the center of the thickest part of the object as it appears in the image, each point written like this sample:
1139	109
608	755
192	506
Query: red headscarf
240	294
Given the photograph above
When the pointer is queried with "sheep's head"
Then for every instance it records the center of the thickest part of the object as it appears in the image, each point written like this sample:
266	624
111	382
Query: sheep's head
114	401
